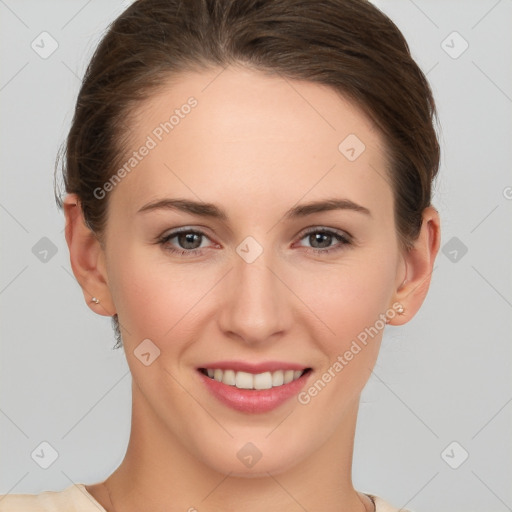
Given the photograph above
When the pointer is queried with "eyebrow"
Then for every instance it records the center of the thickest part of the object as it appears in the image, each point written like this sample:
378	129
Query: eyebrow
211	210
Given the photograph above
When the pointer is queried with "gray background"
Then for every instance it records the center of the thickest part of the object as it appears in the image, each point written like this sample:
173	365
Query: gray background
442	378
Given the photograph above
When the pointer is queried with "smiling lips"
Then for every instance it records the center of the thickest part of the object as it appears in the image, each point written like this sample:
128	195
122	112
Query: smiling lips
253	387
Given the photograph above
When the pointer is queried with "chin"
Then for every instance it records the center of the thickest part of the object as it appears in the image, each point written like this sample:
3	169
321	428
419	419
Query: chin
248	461
260	470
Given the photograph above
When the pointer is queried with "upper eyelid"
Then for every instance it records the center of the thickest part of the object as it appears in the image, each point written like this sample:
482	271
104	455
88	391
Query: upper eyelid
315	229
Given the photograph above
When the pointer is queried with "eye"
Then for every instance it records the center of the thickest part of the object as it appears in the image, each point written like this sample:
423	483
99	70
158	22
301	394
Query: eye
185	241
321	240
190	242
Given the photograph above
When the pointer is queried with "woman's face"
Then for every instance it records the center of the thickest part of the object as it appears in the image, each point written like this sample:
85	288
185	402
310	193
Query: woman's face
288	259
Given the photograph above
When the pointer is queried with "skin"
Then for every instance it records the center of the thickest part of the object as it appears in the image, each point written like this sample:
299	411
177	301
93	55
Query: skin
256	146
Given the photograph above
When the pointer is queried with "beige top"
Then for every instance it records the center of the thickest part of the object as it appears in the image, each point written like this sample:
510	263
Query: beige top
75	498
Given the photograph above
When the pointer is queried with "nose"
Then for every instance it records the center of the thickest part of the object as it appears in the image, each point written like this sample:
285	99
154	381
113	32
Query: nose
257	308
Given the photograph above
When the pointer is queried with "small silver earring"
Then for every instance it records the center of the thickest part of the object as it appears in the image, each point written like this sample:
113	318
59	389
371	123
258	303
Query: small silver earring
400	310
95	300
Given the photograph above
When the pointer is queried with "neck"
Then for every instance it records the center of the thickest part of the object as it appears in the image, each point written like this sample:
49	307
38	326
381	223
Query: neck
159	474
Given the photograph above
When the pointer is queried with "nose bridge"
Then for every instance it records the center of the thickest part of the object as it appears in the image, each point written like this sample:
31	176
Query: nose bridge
256	305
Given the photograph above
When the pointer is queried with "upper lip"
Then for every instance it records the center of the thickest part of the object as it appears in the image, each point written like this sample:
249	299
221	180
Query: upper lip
245	366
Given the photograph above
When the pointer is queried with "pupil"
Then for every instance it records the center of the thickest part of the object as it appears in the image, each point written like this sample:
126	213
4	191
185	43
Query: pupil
317	237
187	240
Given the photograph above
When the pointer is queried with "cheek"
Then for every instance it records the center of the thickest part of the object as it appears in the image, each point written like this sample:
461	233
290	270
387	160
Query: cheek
349	303
154	299
351	294
348	300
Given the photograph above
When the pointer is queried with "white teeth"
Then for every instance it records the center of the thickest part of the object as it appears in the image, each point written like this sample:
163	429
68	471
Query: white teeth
229	378
263	380
278	378
288	376
245	380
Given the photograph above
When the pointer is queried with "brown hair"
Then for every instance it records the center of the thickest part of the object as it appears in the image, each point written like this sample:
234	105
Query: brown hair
349	45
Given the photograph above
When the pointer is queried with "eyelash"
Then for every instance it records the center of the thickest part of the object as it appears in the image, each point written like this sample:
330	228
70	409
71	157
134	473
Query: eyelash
343	239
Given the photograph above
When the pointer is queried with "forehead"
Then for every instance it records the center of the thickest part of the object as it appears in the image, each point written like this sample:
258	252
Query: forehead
213	131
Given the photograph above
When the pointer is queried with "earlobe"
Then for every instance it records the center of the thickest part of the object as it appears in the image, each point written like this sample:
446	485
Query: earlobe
87	259
419	263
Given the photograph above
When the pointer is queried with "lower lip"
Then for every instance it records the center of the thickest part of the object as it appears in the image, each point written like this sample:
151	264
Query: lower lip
252	400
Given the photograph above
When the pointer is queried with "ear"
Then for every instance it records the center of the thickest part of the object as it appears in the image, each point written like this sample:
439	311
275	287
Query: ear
87	258
419	263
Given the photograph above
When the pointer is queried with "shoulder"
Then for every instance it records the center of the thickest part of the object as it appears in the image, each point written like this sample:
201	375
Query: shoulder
74	498
383	506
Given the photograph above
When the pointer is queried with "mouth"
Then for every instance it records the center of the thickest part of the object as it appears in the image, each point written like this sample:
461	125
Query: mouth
254	381
253	388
